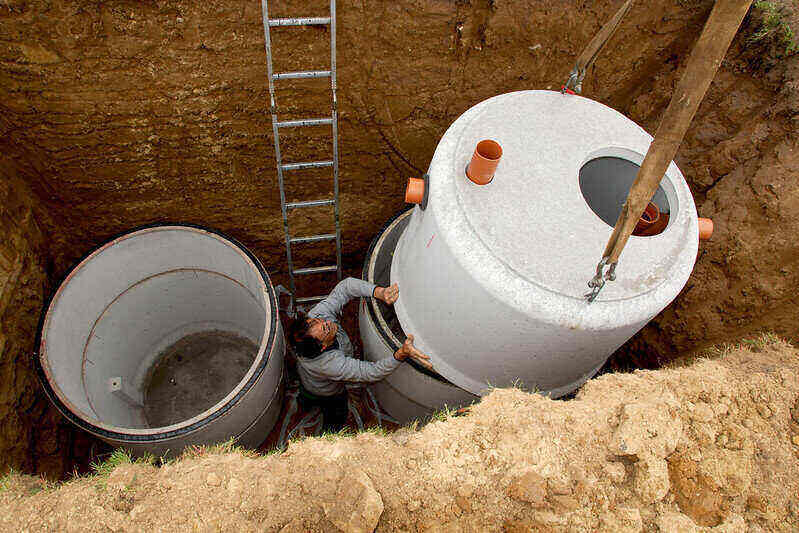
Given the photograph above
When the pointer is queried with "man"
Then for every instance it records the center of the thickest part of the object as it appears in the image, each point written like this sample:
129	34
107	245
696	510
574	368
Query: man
324	352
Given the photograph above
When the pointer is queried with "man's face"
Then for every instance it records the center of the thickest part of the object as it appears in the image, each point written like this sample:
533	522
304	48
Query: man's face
322	330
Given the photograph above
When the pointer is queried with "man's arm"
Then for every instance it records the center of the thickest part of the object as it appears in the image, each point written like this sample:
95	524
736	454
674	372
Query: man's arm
345	291
343	368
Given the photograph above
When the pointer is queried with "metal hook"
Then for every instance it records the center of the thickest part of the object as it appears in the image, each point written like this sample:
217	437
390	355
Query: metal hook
598	281
575	79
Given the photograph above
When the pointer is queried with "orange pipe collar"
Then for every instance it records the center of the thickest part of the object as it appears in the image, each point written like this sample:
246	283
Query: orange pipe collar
484	161
414	192
705	229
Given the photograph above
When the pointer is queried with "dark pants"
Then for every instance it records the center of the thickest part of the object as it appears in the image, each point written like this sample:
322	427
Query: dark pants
334	408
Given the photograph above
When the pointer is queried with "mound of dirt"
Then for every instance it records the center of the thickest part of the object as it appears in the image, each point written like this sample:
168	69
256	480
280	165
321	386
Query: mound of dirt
709	447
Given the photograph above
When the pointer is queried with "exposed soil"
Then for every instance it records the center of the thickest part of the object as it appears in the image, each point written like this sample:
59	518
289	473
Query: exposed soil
34	437
116	115
709	447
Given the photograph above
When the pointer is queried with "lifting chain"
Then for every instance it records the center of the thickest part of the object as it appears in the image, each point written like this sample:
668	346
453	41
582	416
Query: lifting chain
598	281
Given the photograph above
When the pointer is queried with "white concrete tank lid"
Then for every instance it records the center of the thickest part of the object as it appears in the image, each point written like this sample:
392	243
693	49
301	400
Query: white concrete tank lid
533	215
492	277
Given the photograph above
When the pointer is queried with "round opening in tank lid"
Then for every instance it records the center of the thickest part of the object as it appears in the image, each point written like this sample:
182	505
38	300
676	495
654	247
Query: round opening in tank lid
535	217
605	183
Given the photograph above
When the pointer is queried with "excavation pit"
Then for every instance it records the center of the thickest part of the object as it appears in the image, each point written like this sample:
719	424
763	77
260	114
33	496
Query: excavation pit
95	148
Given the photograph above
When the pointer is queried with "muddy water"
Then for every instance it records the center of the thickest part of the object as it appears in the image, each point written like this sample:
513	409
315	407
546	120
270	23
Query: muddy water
195	373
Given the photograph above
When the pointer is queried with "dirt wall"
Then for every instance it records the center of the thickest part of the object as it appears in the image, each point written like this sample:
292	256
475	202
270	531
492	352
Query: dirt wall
712	447
32	435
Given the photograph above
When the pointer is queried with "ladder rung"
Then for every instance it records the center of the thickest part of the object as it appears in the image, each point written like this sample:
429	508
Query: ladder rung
313	238
311	164
304	122
315	270
301	74
300	21
309	203
307	299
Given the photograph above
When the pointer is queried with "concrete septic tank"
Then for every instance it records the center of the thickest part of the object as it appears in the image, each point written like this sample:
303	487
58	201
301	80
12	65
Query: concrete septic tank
165	337
492	276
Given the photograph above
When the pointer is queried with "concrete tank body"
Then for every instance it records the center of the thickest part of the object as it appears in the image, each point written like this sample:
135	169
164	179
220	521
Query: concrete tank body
165	337
410	392
492	277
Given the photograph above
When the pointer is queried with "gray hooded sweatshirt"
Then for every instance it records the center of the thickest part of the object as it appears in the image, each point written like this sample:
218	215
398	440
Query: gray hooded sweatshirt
326	374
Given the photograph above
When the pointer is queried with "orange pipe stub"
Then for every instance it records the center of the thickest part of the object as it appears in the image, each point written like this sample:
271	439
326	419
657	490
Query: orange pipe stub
414	192
705	228
652	221
484	161
648	220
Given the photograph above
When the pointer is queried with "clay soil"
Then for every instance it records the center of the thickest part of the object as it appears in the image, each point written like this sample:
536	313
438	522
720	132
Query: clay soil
122	114
713	446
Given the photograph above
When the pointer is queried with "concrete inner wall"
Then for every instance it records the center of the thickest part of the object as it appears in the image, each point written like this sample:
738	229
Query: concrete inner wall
137	328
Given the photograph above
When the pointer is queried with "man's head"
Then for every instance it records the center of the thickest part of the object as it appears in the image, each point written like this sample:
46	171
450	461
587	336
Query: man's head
310	336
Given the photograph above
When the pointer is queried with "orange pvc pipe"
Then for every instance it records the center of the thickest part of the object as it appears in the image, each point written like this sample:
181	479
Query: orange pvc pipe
652	221
648	219
705	229
414	192
484	161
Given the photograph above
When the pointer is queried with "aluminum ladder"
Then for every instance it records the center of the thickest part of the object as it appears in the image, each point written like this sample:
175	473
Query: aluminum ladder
283	167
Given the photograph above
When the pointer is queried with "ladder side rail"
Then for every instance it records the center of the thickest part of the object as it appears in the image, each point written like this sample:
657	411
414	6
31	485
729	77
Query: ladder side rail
273	112
334	116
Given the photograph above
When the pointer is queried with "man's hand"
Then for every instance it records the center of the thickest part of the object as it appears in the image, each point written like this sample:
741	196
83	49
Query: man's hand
409	350
387	294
